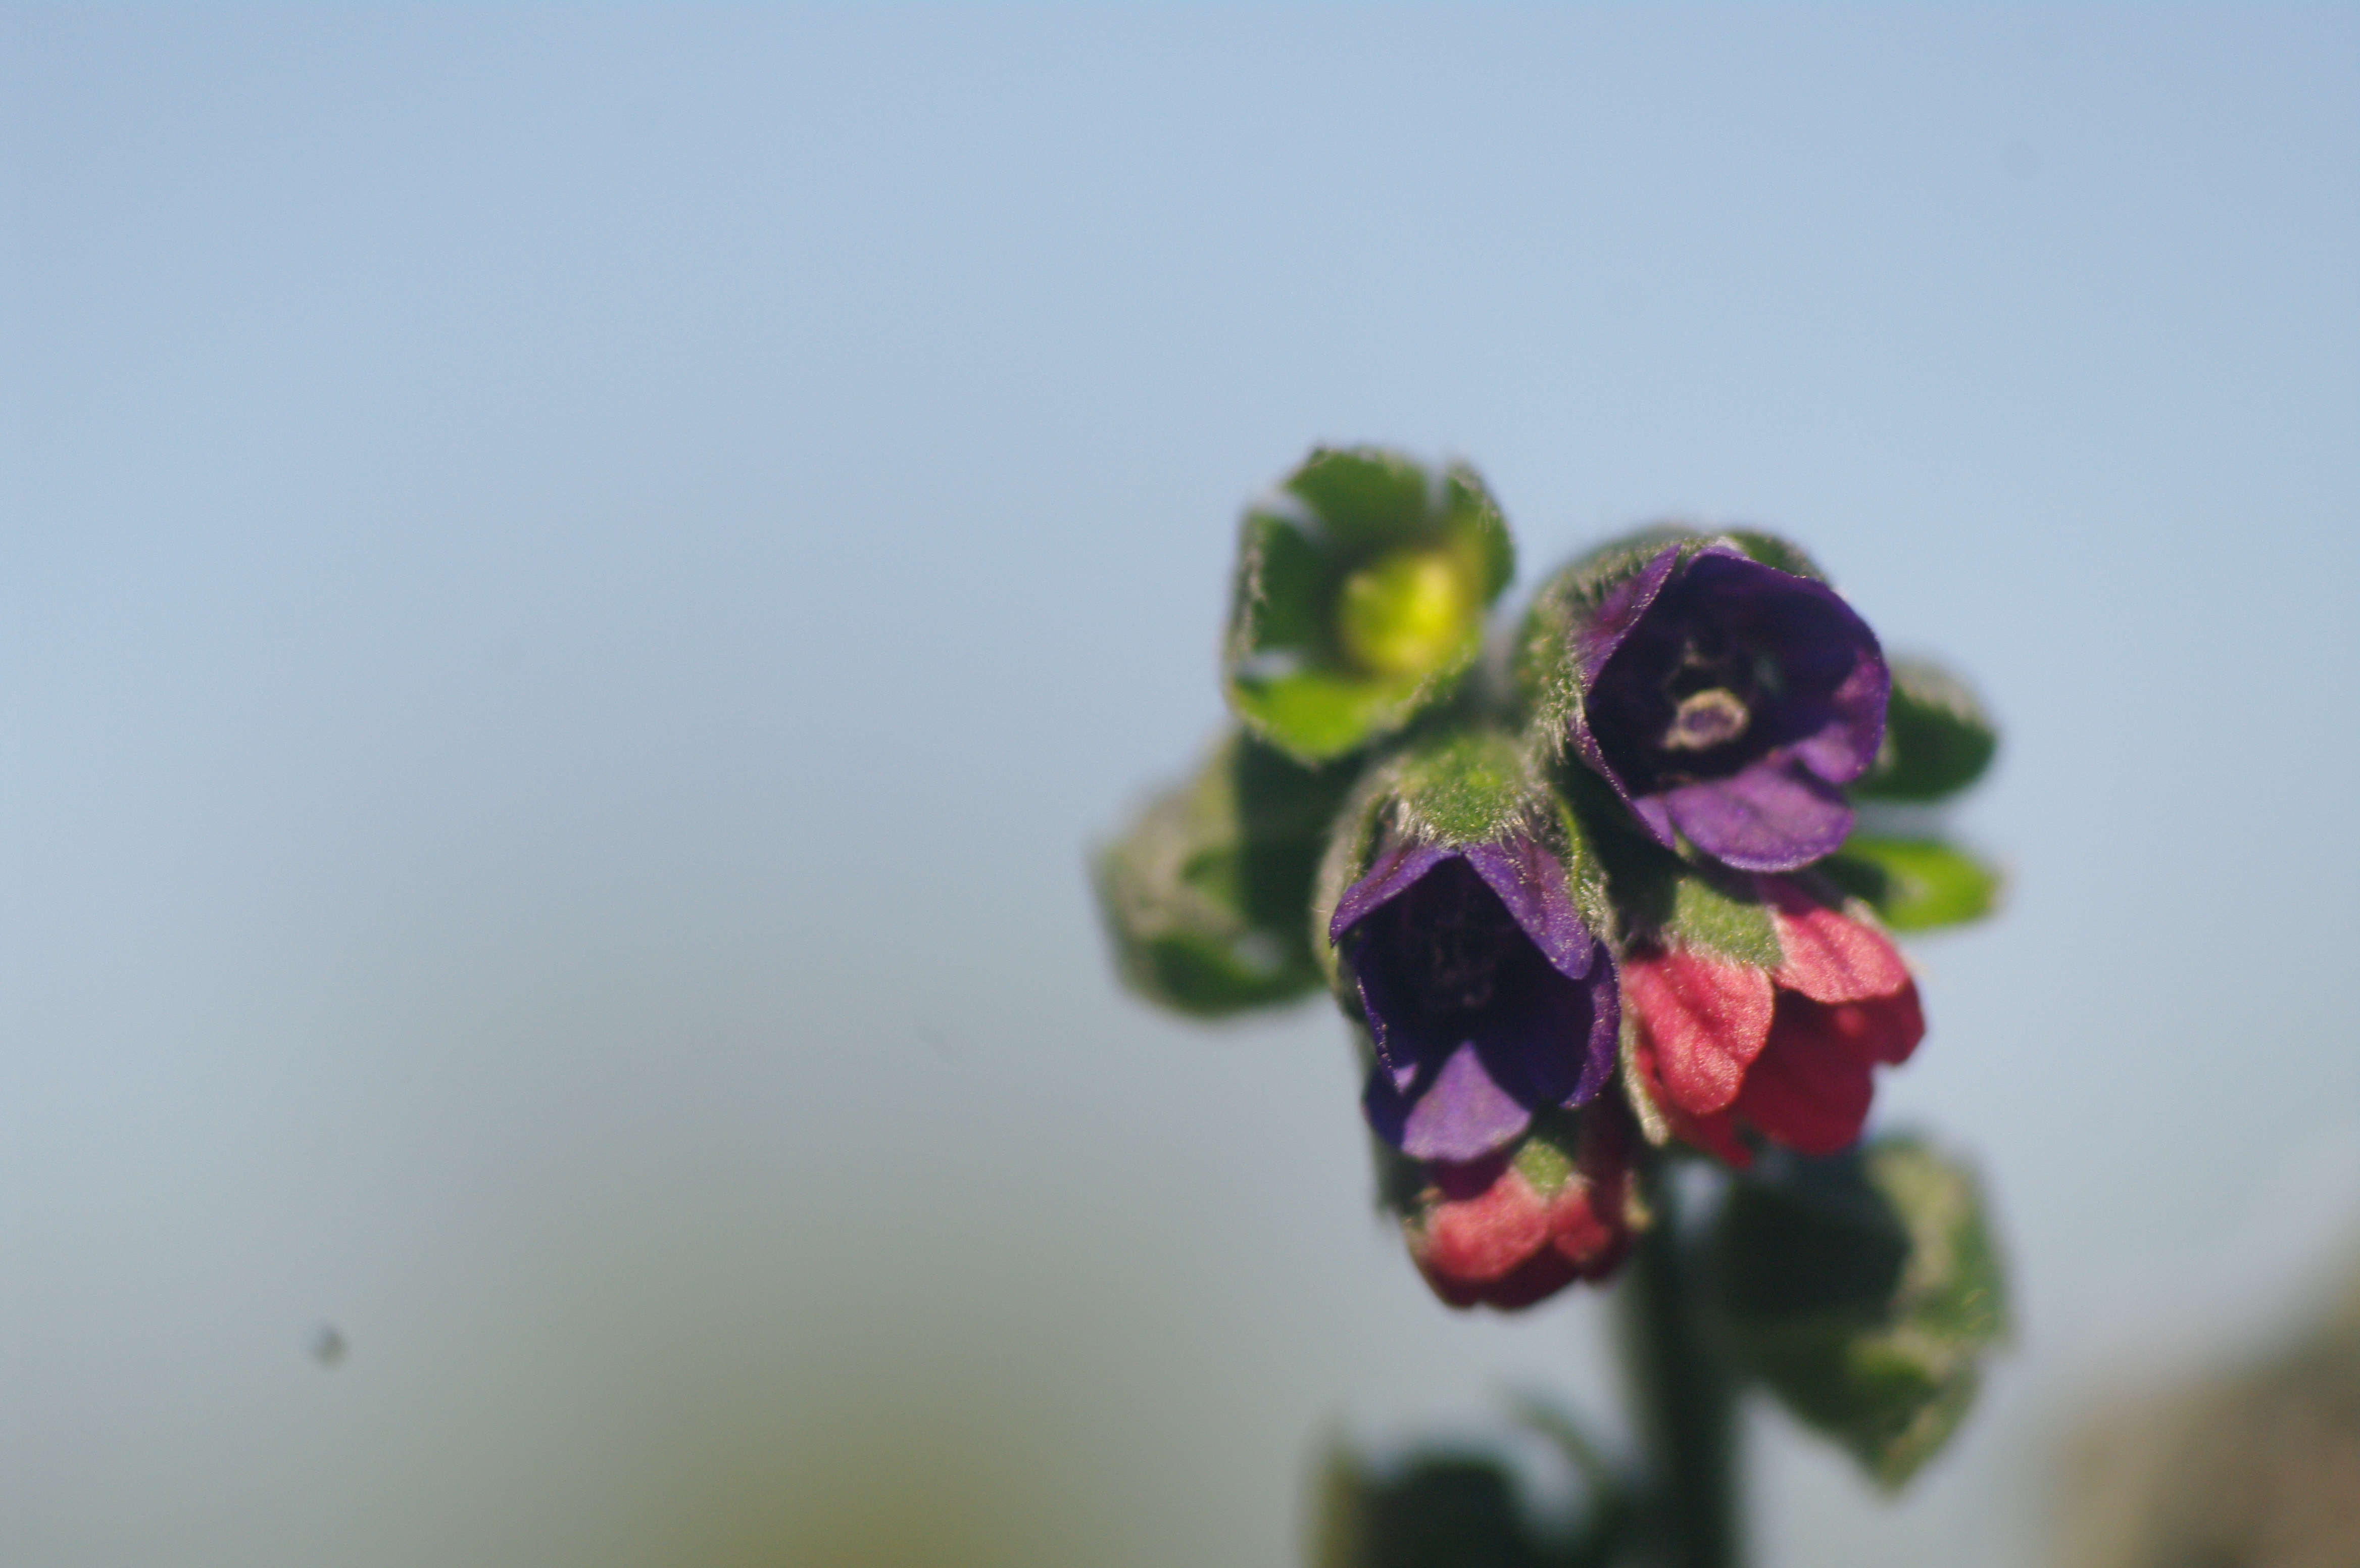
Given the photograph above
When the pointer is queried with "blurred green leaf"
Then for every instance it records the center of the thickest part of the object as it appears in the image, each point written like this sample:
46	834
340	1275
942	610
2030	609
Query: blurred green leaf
1915	884
1864	1291
1937	737
1460	1507
1439	1511
1207	895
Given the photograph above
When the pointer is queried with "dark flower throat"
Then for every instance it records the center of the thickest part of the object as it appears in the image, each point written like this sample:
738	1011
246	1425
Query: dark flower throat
1458	935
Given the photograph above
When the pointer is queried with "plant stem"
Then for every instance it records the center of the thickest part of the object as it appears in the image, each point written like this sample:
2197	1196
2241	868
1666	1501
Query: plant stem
1685	1397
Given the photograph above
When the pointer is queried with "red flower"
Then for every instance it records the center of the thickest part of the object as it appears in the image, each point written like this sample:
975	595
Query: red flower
1520	1225
1785	1051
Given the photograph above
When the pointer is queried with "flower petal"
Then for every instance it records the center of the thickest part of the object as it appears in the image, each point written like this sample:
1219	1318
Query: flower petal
1603	1046
1705	1020
1555	1044
1772	817
1836	672
1882	1029
1388	877
1459	1114
1531	883
1478	1239
1542	1276
1829	957
1618	612
1809	1090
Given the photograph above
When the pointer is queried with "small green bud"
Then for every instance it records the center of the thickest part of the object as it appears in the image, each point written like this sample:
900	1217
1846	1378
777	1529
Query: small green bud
1359	600
1405	612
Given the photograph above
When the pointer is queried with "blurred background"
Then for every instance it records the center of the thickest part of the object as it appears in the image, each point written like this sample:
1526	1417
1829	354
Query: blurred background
577	583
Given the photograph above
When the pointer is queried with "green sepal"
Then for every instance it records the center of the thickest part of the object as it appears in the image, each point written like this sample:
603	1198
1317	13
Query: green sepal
1464	786
1915	884
1772	549
1937	737
1653	1126
1332	642
1864	1292
1660	900
1664	900
1206	895
1452	786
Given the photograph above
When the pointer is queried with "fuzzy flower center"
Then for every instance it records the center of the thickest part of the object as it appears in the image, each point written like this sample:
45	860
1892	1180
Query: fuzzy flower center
1712	691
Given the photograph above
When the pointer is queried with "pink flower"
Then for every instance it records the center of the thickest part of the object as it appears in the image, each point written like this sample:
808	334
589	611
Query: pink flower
1788	1051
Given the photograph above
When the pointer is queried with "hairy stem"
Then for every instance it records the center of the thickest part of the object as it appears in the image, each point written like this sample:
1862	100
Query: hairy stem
1685	1397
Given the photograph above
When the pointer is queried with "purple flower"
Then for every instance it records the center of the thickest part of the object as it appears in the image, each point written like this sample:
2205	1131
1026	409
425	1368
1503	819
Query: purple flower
1727	701
1486	995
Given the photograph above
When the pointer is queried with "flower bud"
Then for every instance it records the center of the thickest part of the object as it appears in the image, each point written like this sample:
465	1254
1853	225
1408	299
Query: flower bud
1725	1037
1359	600
1523	1223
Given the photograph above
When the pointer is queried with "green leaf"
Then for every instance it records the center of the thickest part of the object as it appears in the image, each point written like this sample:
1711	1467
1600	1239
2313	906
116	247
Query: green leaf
1915	884
1864	1292
1441	1511
1937	737
1461	1507
1359	600
1206	897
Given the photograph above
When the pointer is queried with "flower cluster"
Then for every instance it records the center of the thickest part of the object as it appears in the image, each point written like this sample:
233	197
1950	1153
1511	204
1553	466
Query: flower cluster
1604	894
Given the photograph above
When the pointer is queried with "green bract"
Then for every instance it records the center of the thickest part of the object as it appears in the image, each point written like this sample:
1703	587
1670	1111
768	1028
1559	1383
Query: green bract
1863	1291
1359	599
1207	895
1938	739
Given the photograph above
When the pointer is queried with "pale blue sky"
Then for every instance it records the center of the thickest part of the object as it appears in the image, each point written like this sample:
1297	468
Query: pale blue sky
577	581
